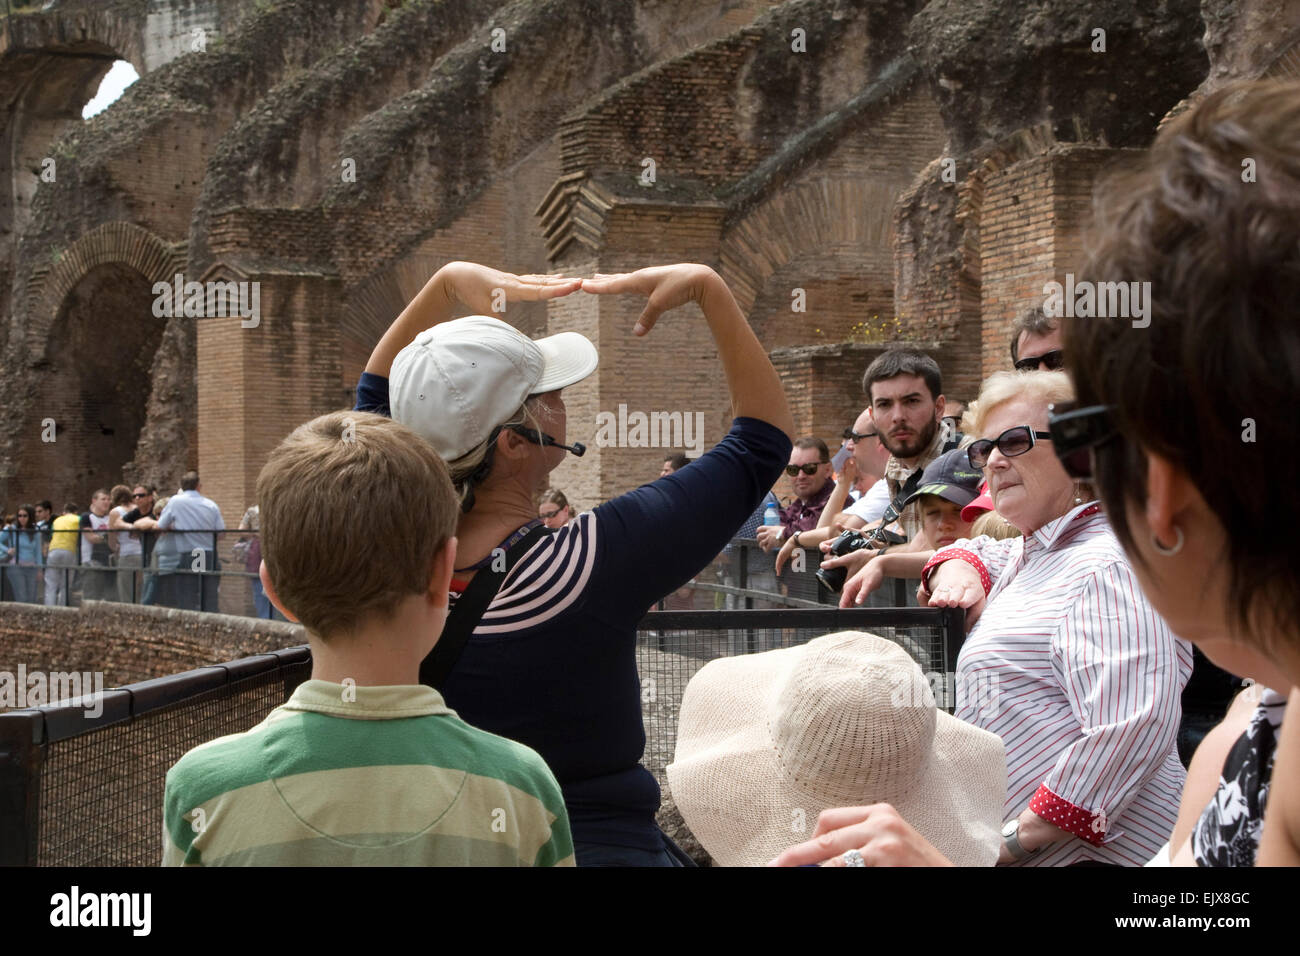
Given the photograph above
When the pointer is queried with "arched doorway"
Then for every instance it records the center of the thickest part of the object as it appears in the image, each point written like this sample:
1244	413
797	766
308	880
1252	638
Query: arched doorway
92	387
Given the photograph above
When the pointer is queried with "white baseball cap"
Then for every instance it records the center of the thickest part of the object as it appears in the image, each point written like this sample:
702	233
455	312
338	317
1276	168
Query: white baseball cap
461	379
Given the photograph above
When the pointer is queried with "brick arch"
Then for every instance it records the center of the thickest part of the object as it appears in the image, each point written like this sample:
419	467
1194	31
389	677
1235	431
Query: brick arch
120	243
795	222
110	29
372	305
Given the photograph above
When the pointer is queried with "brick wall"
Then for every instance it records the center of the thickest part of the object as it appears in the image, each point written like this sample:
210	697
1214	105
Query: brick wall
258	384
129	644
1032	230
681	114
824	386
93	387
1017	225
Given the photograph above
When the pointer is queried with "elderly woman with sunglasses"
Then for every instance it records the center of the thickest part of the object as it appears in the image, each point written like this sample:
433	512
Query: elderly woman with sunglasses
1066	661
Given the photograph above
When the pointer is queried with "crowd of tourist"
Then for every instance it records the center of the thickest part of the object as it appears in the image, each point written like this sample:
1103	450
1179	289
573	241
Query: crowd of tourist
129	546
1104	512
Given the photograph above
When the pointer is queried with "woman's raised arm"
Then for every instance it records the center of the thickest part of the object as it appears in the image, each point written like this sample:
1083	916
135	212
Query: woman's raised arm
755	387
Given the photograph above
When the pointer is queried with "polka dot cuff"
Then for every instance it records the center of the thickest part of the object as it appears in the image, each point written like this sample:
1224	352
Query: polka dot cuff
1060	812
961	554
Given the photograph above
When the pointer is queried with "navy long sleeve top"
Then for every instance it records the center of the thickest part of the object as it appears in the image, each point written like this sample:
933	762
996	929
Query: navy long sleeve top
552	664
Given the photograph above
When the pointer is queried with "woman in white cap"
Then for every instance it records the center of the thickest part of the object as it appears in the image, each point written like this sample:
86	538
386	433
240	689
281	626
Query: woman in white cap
552	662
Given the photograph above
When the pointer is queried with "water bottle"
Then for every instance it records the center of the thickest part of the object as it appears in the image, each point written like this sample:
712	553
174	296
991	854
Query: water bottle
771	515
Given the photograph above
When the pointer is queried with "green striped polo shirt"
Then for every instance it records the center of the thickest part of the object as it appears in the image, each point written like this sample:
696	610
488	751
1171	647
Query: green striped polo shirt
364	776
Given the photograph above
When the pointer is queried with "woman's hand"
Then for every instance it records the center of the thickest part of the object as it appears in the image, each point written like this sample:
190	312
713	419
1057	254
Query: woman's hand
1034	834
480	288
877	832
666	287
955	584
859	587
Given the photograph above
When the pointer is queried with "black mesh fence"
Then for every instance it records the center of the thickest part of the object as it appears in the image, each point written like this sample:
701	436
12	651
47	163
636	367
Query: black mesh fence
744	576
80	790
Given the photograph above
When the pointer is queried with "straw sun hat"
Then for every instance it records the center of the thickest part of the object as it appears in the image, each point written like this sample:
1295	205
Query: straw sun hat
767	741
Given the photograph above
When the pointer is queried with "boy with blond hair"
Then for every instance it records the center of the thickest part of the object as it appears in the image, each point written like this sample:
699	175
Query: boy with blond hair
362	765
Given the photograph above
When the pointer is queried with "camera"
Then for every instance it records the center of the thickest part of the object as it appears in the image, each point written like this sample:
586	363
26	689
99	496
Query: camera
847	542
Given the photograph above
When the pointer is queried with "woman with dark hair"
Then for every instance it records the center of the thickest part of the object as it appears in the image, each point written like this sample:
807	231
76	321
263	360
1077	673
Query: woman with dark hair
22	547
552	661
1183	424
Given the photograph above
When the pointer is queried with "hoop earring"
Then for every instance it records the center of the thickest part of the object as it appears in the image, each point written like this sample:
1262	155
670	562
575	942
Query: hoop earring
1170	551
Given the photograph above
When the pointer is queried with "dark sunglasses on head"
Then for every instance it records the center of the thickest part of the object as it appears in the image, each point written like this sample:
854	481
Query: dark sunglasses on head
808	469
1076	432
851	435
1054	360
1012	442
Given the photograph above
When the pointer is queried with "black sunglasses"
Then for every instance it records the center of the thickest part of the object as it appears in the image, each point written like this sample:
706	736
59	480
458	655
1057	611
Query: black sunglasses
851	435
1054	360
1076	432
1012	442
808	469
548	514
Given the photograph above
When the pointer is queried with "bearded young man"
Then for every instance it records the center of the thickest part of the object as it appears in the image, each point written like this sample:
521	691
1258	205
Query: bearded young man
907	405
905	389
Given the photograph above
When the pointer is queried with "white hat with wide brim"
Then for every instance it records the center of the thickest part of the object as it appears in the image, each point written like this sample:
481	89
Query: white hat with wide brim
768	741
461	379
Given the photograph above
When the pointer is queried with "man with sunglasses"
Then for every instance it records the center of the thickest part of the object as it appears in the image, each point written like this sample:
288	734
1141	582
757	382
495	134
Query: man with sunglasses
1037	342
810	473
868	457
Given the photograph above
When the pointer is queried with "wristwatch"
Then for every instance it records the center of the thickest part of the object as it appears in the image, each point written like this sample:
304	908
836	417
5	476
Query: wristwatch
1011	840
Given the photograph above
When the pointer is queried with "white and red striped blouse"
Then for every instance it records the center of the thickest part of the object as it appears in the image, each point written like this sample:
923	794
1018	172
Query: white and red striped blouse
1082	680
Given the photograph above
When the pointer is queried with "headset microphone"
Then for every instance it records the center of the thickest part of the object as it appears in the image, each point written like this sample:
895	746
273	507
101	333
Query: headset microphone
541	438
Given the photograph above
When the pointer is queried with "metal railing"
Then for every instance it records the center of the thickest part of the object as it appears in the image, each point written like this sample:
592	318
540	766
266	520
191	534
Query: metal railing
80	790
77	790
744	576
193	570
221	576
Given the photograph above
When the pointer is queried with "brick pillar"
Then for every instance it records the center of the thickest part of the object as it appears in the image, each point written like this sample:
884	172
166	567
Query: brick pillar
824	386
1032	226
936	273
673	369
257	384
